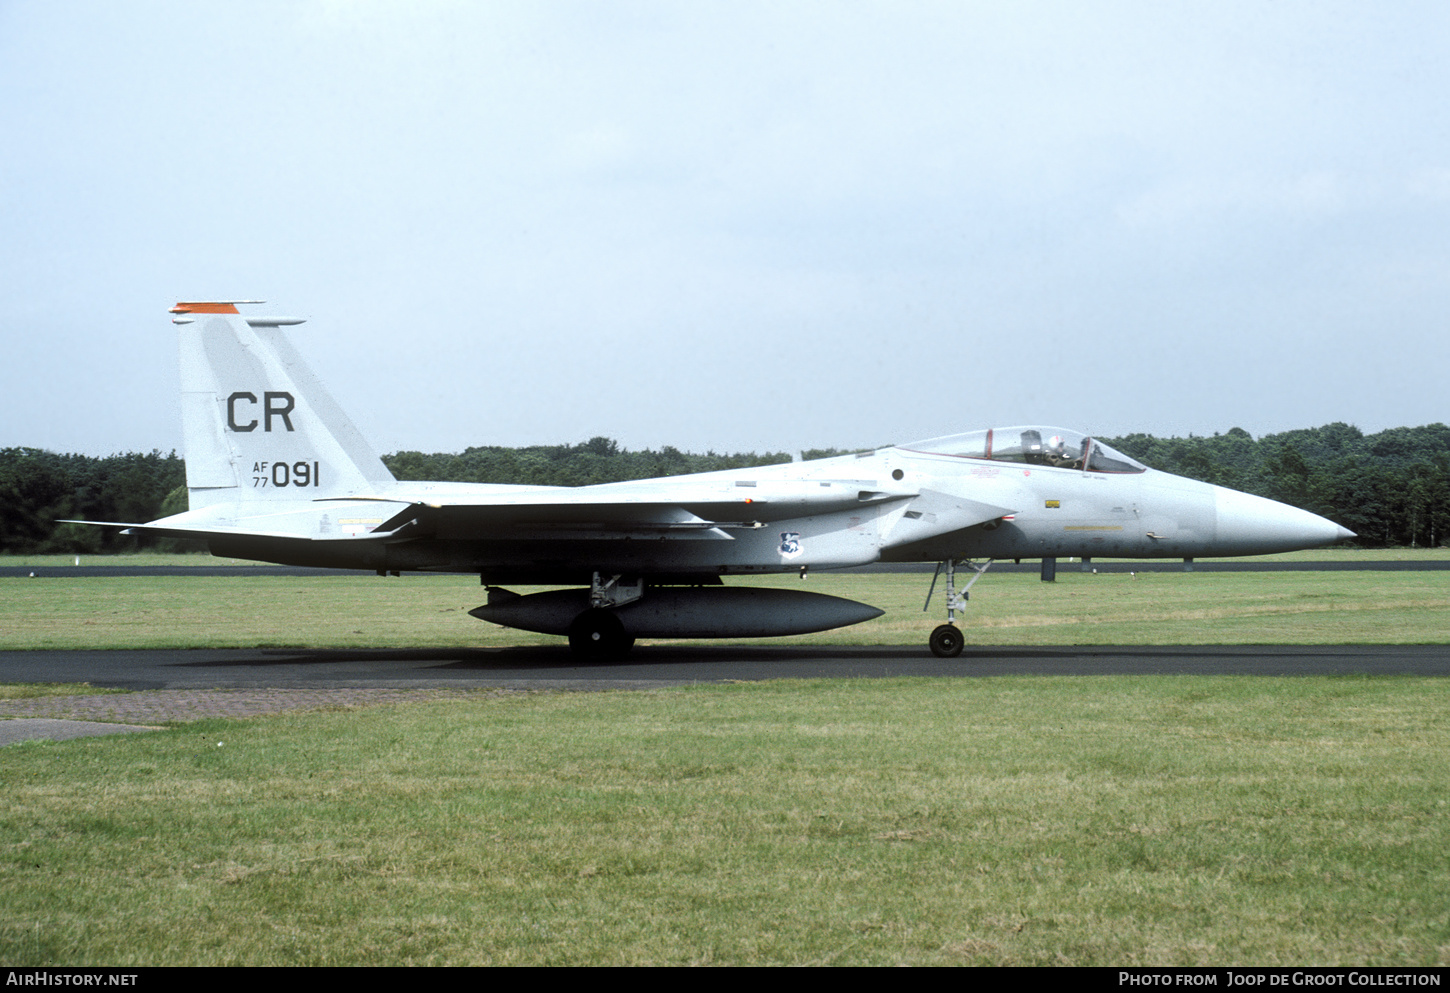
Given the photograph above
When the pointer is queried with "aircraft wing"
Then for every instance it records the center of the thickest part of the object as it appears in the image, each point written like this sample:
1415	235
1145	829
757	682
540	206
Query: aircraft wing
923	514
609	511
617	512
717	509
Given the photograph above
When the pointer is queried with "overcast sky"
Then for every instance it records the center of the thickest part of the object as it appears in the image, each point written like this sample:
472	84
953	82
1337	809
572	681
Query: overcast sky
735	225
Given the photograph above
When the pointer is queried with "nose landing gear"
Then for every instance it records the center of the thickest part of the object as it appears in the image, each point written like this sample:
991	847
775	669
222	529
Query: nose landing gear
946	641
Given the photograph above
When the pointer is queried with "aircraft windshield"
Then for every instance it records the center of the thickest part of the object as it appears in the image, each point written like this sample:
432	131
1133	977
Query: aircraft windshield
1033	446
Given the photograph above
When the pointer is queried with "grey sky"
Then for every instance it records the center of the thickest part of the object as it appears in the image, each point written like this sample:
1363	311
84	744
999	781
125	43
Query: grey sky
733	226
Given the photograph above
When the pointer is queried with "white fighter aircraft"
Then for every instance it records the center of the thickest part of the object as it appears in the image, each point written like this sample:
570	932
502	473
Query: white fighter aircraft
276	472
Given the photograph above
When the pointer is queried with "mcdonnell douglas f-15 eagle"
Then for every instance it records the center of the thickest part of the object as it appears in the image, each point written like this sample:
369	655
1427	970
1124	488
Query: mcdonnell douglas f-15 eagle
276	472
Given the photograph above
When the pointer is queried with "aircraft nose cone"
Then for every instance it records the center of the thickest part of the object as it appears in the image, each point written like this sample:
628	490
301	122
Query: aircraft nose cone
1252	525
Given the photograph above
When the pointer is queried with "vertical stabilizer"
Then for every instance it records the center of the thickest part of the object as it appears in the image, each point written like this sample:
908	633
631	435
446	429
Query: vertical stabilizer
257	425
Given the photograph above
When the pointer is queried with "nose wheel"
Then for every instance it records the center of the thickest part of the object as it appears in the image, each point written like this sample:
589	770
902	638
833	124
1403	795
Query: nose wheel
947	640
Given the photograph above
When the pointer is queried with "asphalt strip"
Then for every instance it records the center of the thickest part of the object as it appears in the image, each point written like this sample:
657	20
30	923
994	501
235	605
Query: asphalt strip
57	718
19	729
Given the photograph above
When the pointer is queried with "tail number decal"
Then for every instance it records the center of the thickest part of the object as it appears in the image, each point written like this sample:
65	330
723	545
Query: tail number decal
276	405
266	474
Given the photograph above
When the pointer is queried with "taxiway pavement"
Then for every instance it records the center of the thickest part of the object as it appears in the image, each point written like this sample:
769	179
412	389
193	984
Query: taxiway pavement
289	678
553	667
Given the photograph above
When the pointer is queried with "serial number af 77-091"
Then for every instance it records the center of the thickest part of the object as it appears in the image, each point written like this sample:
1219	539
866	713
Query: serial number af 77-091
286	474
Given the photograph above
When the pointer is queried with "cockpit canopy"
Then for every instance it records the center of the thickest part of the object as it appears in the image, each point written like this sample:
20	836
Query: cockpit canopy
1033	446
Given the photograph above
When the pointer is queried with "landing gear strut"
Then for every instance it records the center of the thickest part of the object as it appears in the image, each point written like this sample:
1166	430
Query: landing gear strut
946	641
597	634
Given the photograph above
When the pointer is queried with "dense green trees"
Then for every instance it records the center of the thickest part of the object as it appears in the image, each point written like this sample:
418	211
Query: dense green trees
1392	488
598	460
37	488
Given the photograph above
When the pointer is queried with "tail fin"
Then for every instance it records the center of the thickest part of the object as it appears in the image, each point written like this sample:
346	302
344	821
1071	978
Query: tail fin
257	425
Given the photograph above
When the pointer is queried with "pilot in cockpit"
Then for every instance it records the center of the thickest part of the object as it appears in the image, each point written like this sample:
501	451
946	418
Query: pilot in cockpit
1055	453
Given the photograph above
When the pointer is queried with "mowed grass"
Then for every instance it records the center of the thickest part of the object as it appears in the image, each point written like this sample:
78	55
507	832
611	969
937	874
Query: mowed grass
1158	608
1087	821
30	691
1002	821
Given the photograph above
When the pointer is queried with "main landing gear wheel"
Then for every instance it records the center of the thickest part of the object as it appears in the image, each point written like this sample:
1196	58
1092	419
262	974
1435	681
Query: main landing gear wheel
598	635
946	642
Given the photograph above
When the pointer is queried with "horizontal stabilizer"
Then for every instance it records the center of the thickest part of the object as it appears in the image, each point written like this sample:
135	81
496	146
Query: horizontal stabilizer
200	533
205	532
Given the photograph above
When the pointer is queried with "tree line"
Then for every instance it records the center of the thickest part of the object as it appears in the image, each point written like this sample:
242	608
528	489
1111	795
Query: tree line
39	488
1391	488
598	460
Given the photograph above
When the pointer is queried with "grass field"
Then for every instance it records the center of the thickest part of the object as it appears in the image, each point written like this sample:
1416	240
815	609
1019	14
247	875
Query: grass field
1162	608
1083	821
1007	820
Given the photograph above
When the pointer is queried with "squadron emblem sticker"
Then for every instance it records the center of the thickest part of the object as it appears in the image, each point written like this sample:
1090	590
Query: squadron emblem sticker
790	544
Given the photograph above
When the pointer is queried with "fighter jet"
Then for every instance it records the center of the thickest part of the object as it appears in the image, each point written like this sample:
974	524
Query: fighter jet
276	472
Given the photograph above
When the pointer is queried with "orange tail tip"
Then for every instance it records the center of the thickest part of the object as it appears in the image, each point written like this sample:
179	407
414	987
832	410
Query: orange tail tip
210	306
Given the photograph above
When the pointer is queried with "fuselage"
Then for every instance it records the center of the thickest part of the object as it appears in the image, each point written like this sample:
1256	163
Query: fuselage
928	501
